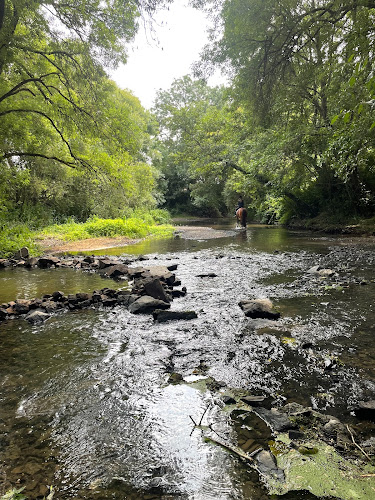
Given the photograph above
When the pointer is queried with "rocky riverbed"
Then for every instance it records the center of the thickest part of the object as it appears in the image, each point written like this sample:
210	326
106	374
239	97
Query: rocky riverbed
264	387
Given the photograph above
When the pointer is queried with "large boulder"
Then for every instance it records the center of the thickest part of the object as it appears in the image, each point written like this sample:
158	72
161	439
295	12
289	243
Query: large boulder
259	308
36	316
147	304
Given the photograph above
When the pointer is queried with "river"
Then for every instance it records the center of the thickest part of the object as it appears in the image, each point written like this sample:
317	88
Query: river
86	406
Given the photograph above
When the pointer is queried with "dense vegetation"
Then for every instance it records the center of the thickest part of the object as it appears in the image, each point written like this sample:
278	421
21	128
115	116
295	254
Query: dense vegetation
293	132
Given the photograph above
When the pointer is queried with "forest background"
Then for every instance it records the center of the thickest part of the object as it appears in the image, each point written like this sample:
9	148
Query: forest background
293	132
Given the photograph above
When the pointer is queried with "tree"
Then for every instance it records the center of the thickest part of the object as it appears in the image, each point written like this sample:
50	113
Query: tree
291	62
51	67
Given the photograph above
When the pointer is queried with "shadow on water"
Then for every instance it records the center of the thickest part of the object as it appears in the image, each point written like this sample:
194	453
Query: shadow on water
85	401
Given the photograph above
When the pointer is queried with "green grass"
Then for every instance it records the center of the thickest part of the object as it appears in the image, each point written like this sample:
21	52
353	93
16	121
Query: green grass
138	225
131	227
15	236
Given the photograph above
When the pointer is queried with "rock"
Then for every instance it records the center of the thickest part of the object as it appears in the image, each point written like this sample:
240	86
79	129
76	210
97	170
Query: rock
163	273
178	293
313	270
36	316
72	299
90	259
49	306
135	272
4	263
22	253
147	304
259	308
228	400
154	288
47	261
110	292
81	296
175	378
58	296
163	316
266	464
254	400
3	313
276	420
326	272
172	267
206	275
109	301
117	270
295	434
22	306
366	410
103	263
32	262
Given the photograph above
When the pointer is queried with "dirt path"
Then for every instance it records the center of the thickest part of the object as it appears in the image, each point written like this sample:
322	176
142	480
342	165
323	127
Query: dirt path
52	245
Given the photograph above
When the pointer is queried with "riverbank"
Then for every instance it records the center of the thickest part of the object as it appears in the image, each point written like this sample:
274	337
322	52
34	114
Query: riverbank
94	234
334	225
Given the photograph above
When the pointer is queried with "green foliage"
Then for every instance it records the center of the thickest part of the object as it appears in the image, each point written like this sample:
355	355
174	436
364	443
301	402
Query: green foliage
14	494
14	237
137	226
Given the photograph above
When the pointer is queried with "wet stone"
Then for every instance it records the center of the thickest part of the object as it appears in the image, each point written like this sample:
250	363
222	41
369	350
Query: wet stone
275	420
37	316
146	304
366	410
259	309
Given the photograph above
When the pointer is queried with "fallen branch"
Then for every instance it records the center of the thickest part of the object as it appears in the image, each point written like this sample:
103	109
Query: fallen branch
235	449
357	445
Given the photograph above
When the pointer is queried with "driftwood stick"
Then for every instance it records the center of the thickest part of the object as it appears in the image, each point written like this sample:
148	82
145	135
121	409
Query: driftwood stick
367	475
191	418
357	445
234	449
204	413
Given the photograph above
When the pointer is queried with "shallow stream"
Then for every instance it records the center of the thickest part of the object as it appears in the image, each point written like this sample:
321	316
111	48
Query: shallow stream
86	406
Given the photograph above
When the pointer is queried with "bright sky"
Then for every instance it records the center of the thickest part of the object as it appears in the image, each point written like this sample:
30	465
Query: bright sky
151	66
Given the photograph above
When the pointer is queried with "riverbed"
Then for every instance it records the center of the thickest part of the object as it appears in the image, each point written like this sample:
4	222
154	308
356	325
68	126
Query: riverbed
86	402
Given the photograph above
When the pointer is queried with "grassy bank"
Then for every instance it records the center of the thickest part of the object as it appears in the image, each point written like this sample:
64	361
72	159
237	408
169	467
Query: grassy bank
154	223
335	224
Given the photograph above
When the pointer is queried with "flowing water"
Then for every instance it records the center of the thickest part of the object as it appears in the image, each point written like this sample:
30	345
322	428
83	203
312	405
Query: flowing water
85	401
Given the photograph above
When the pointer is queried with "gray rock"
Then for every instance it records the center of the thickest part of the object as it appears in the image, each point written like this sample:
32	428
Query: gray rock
366	410
266	464
259	308
154	288
103	263
22	253
22	306
163	316
147	304
276	420
3	313
117	270
36	316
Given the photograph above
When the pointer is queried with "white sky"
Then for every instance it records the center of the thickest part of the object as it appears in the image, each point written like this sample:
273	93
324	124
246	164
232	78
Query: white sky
151	66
